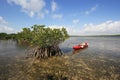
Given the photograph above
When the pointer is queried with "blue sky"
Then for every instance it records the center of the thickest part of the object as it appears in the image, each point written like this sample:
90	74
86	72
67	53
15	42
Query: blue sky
79	17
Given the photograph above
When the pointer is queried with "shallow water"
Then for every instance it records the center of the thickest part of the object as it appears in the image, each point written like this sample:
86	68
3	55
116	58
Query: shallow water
105	46
100	61
10	48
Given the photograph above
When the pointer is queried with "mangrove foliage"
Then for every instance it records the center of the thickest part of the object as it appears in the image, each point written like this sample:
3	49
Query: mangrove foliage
43	41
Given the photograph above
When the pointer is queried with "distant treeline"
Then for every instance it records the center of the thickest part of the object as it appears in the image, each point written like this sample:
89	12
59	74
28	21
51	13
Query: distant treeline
5	36
116	35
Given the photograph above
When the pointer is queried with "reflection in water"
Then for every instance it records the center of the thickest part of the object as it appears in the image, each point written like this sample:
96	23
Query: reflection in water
10	48
78	51
100	61
104	46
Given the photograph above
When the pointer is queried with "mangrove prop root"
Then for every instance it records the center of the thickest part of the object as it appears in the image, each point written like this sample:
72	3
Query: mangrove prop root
43	52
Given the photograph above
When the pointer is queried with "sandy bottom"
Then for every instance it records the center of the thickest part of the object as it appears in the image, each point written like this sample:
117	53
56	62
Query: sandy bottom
67	67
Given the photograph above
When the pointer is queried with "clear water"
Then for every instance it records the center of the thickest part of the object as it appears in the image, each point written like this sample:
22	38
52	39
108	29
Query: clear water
10	48
104	46
100	61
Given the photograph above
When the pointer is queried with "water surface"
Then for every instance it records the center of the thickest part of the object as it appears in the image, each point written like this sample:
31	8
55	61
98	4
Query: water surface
10	48
104	46
100	61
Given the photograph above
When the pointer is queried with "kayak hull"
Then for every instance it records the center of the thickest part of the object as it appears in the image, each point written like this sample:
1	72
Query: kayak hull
81	46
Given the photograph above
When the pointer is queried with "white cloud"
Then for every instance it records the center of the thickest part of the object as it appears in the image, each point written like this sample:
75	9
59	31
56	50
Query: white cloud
57	16
53	6
2	21
91	10
76	21
105	28
108	27
46	11
56	26
70	29
30	7
4	27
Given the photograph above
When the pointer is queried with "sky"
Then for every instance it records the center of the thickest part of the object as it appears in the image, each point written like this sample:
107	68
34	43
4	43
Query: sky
79	17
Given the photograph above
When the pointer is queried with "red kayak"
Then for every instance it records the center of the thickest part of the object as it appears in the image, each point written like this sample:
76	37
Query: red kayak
80	46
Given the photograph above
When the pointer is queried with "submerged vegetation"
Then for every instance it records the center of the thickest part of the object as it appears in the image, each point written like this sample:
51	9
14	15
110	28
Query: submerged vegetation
60	68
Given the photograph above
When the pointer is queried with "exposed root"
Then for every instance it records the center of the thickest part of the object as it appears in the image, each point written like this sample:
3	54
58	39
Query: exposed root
43	52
